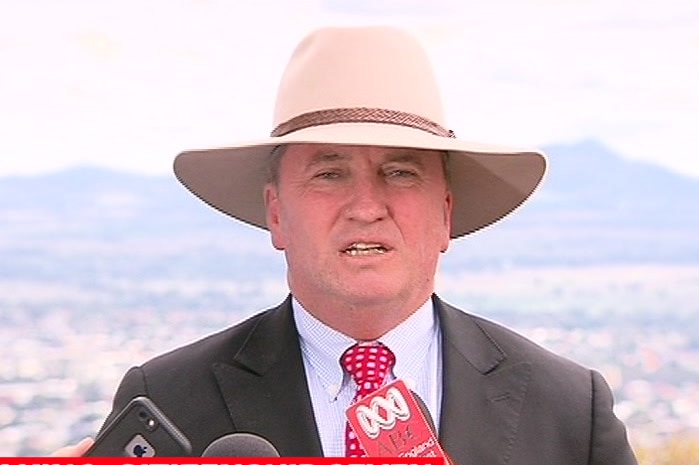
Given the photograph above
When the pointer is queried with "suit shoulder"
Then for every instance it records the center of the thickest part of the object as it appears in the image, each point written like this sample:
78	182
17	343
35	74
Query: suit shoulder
220	346
515	346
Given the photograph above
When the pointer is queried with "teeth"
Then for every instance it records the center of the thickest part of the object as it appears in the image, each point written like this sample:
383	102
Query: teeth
362	248
365	246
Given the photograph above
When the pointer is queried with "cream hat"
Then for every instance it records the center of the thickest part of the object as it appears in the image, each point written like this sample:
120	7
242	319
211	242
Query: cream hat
364	86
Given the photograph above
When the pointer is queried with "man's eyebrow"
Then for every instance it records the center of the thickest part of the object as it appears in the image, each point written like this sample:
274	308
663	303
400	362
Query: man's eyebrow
325	157
406	157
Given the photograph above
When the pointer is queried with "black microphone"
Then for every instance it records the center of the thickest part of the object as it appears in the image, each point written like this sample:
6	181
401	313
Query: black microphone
240	445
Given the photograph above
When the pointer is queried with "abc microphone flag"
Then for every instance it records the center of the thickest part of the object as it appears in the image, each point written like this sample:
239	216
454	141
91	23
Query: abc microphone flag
390	423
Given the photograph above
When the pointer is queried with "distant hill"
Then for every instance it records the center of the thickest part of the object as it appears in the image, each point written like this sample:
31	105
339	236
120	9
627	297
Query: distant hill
595	207
590	179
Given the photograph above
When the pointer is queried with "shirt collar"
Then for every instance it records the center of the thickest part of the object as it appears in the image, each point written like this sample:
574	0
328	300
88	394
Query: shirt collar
322	345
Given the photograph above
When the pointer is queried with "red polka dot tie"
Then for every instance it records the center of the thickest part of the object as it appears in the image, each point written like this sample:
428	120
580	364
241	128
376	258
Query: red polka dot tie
368	364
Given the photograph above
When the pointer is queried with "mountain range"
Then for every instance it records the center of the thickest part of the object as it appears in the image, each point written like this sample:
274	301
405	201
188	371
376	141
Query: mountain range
595	207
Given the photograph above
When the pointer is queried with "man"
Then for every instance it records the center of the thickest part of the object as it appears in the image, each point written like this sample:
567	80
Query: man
362	187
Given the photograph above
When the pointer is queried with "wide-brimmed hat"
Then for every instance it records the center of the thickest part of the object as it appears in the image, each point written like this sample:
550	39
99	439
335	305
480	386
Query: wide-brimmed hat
364	86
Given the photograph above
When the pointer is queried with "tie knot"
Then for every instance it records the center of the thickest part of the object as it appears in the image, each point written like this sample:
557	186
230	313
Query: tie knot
368	364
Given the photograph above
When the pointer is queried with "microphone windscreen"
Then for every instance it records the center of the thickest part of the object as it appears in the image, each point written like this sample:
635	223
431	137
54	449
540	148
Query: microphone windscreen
240	445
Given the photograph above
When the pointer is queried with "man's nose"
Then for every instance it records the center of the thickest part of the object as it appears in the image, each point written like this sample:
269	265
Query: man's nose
367	201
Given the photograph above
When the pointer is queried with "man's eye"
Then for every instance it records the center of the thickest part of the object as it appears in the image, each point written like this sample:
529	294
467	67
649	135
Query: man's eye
401	173
327	175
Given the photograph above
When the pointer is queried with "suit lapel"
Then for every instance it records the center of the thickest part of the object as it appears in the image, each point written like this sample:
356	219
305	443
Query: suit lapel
266	393
265	387
482	394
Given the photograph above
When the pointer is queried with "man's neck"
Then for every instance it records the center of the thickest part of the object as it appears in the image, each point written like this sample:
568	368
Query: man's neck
362	321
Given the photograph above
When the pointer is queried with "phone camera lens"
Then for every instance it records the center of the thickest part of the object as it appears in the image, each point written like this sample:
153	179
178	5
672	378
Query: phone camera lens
145	418
151	424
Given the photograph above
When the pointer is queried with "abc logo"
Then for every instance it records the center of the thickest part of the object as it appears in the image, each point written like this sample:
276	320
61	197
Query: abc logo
393	406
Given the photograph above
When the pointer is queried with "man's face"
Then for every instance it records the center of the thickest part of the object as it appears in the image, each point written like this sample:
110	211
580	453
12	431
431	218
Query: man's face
360	224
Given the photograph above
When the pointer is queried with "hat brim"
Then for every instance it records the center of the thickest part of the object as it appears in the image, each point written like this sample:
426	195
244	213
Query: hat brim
488	182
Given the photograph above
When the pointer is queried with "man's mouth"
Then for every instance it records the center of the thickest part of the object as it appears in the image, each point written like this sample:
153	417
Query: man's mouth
365	248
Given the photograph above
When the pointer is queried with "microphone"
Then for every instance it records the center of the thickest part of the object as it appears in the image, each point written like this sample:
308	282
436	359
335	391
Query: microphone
391	423
425	411
240	445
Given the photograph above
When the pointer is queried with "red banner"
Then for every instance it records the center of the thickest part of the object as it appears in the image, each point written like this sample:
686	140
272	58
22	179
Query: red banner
220	461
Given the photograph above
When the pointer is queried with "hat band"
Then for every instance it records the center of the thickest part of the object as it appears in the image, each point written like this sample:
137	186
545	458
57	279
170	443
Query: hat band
360	115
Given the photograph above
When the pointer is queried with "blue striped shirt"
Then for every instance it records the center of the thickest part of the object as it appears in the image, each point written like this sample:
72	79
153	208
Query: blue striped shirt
416	343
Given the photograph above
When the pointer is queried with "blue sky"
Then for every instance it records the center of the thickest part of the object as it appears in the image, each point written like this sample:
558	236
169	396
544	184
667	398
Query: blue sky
130	84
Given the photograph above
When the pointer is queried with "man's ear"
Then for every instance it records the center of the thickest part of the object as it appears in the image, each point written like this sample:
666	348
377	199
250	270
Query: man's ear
273	216
448	206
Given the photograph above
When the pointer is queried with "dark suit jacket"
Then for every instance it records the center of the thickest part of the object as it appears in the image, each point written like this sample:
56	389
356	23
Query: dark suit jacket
505	399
